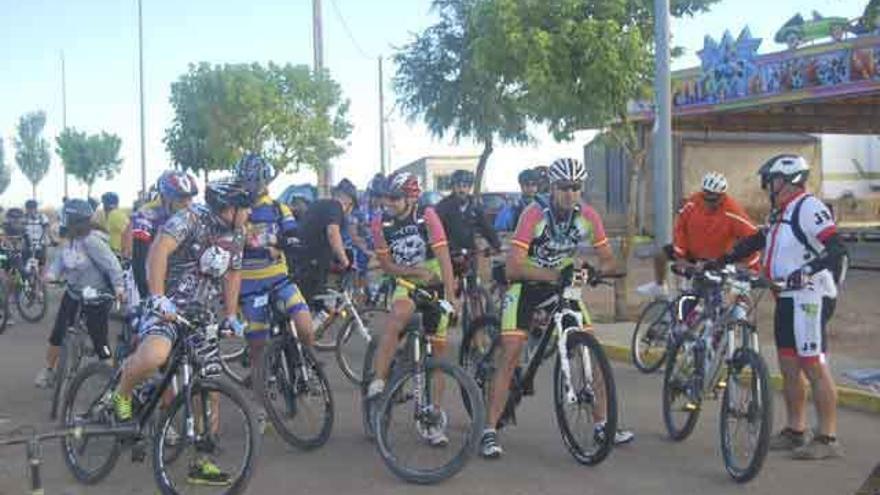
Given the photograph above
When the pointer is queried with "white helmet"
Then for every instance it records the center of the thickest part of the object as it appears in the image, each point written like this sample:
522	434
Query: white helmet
715	182
567	169
794	168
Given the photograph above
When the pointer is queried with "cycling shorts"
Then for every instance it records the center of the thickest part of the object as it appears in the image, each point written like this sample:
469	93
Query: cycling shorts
521	302
792	330
255	308
435	321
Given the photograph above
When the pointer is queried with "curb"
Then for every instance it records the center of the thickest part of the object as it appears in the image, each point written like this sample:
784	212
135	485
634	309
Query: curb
846	397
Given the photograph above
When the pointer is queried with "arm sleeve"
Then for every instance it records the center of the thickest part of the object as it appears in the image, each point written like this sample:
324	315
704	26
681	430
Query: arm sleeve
598	230
139	250
746	247
832	257
436	233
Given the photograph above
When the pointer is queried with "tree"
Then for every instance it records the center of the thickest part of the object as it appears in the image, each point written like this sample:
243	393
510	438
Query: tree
31	149
4	172
576	64
89	157
438	80
290	115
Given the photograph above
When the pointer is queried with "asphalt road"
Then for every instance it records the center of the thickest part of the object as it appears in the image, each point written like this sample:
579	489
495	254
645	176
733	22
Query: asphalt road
535	460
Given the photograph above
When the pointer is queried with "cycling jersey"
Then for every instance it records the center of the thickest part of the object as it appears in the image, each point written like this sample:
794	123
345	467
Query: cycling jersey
115	222
145	222
784	252
509	215
269	225
552	240
701	234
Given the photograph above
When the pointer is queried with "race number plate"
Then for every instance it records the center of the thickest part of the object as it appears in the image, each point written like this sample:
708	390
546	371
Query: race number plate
261	301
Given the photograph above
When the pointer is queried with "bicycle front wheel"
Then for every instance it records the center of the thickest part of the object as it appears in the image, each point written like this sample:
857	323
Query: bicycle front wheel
88	404
587	412
426	431
682	394
648	346
746	416
235	359
351	345
31	301
218	455
4	306
296	395
68	362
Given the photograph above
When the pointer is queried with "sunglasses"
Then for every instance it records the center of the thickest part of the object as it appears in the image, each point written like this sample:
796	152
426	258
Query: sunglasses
394	197
568	187
711	198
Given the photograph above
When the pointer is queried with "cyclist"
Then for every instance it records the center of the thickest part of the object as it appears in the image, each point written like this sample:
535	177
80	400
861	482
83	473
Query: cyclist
176	253
175	192
36	232
321	234
802	247
84	261
544	245
708	225
509	215
264	267
113	220
411	244
463	216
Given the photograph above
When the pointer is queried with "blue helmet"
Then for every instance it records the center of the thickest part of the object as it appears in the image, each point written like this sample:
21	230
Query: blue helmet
110	199
378	186
78	210
254	172
175	185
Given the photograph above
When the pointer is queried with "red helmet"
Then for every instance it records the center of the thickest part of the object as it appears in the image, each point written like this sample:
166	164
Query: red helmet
405	184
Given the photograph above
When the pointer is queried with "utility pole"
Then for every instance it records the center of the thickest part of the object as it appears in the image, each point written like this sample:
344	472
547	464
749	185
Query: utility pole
662	127
381	121
141	87
326	175
63	114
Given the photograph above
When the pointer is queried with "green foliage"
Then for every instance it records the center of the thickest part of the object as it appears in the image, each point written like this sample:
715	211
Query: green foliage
89	157
287	113
31	149
4	172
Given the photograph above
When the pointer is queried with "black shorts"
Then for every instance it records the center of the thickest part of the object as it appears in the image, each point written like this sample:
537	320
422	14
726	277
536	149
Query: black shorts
520	303
783	326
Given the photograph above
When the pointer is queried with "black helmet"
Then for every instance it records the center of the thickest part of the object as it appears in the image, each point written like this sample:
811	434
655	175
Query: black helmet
378	186
14	214
226	193
528	176
346	187
462	178
110	199
30	204
78	210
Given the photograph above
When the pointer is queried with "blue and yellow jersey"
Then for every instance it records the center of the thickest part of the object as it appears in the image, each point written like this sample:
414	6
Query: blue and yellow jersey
269	224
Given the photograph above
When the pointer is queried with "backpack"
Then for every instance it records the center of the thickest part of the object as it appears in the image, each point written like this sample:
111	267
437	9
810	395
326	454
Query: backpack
838	271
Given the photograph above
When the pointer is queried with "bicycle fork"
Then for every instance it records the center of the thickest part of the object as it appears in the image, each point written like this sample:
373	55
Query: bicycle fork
565	364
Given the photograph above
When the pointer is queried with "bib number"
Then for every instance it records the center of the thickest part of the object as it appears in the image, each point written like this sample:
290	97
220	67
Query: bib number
261	301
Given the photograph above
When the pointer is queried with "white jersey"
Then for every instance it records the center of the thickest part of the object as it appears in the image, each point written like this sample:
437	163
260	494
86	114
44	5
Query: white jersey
784	253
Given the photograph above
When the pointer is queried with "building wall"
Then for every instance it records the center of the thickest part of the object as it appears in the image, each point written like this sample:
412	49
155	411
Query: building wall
431	170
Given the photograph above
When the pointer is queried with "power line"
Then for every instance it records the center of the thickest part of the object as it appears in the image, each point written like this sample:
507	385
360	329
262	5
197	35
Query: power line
345	28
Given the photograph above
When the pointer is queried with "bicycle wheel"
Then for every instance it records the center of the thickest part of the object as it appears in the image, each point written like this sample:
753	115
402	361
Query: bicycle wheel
746	411
88	403
367	406
68	362
299	407
31	300
478	304
406	428
4	306
235	359
325	335
225	434
351	346
473	354
578	415
648	346
682	397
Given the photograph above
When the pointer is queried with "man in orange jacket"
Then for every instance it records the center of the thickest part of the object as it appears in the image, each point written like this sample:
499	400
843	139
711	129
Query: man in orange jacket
707	227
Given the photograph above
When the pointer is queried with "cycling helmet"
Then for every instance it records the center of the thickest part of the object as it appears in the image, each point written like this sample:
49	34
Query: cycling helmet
714	182
254	172
78	210
529	176
110	199
567	170
377	186
404	184
462	178
175	185
14	214
30	204
346	187
226	193
793	168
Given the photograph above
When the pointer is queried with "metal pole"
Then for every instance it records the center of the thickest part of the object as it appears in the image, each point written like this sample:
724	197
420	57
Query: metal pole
381	121
662	127
326	176
141	78
63	113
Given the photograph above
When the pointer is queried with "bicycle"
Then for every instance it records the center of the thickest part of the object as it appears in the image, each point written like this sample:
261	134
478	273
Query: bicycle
4	293
30	292
355	336
294	383
76	346
476	301
415	388
582	374
195	411
722	334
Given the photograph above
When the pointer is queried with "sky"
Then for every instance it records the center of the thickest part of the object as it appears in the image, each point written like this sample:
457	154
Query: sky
99	39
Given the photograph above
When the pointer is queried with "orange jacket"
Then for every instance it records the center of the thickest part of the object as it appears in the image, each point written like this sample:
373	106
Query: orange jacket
704	235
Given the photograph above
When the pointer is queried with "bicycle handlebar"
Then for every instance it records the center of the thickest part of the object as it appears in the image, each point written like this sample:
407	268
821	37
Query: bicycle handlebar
421	295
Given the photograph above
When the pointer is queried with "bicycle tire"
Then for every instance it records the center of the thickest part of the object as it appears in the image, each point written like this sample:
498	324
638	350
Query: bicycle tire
367	406
477	305
475	346
637	337
325	339
761	379
239	484
670	388
569	438
469	447
344	340
68	444
241	356
35	317
272	368
63	369
4	307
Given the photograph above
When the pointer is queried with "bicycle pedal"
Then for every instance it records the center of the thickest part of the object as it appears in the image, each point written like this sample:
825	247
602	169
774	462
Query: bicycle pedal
721	385
691	407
